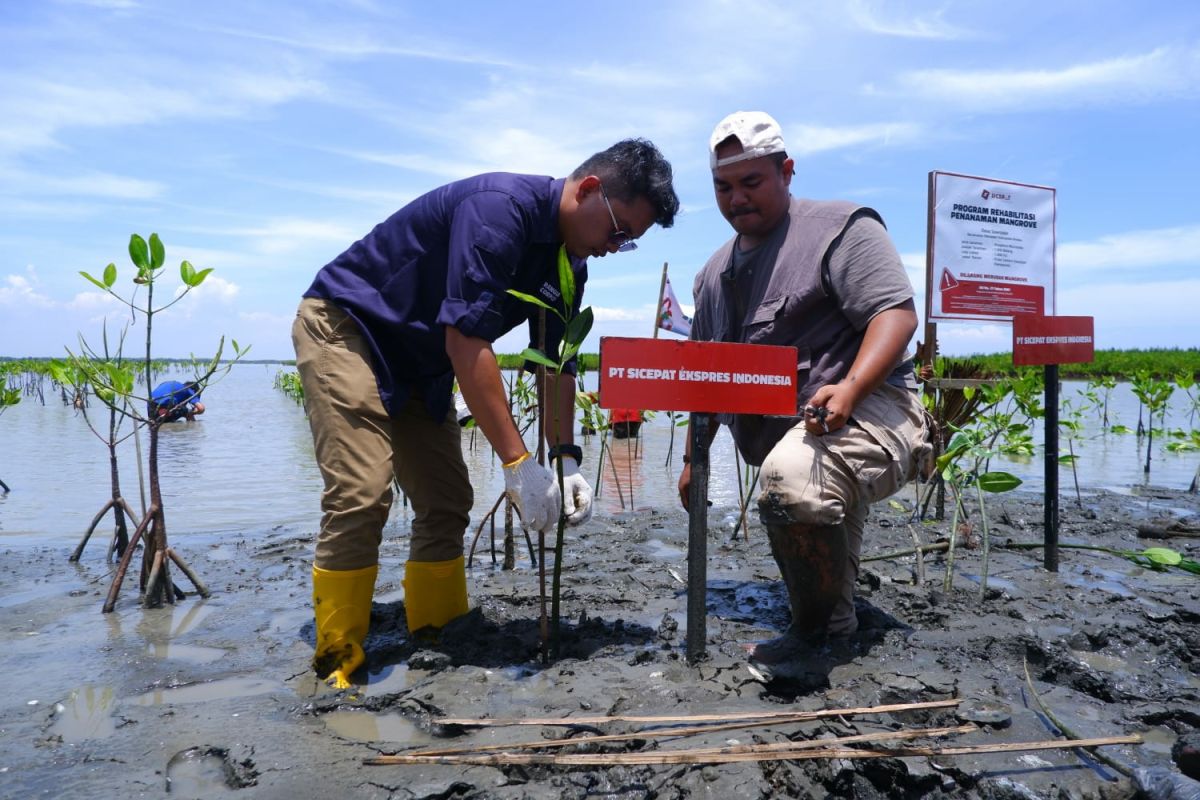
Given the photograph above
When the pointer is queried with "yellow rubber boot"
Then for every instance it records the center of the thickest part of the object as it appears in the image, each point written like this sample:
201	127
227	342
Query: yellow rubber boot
342	606
435	592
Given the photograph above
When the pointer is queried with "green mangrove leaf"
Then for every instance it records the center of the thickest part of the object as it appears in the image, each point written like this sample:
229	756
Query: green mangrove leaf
1120	429
537	357
187	273
93	280
158	254
139	253
998	482
579	327
1067	459
110	275
566	279
528	298
1163	555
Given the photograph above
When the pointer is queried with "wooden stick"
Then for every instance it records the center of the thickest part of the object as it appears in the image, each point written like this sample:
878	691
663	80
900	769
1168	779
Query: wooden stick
802	753
667	720
936	547
680	732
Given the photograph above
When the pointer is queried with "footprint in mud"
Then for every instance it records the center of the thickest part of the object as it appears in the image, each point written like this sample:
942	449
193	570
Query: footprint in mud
204	772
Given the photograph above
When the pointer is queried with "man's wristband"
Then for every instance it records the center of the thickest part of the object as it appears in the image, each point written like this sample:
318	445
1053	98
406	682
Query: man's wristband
572	450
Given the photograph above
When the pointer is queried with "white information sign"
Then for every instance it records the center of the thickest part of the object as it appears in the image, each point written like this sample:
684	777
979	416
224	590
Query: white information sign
991	249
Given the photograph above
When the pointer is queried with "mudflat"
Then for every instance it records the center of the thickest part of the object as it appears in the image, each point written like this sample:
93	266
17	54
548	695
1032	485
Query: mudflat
216	698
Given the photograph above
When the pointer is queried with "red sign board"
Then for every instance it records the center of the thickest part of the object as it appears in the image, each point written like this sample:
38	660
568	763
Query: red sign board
991	298
1053	340
676	375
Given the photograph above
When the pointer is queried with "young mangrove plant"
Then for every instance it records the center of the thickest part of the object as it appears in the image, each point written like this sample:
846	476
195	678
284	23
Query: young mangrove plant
114	372
577	327
148	260
1154	394
961	467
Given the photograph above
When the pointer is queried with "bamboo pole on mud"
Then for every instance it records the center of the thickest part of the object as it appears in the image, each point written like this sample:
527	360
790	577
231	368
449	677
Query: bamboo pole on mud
804	753
803	744
676	720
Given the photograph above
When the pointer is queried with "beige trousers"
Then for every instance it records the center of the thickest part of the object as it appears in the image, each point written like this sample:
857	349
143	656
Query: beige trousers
831	479
359	449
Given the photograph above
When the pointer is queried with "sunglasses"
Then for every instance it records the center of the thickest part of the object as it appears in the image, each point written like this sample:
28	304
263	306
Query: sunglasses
620	238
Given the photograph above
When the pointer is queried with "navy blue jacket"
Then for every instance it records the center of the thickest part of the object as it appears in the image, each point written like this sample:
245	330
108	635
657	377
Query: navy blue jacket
449	258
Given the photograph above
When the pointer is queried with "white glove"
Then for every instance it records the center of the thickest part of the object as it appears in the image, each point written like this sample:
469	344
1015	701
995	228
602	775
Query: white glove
577	500
533	489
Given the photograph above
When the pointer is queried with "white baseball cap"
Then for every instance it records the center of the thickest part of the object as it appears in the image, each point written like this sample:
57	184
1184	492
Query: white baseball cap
757	131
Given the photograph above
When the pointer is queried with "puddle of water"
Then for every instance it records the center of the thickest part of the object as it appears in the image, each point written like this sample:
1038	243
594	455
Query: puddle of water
85	713
193	654
290	620
223	553
203	692
200	772
388	680
48	589
363	726
273	571
1101	662
659	549
1159	740
1097	578
1003	584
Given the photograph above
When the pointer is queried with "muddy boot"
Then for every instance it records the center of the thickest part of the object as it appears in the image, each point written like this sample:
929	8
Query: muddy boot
812	560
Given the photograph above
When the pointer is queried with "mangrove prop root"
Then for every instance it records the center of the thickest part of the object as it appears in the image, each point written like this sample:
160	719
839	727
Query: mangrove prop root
179	562
122	567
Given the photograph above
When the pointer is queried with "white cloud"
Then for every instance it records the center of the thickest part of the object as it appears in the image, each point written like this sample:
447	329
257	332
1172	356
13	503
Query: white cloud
1132	249
37	108
1161	73
807	140
215	288
95	301
19	291
357	45
869	16
89	184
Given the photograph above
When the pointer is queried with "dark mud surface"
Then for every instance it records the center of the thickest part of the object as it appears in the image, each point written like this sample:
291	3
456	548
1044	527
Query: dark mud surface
215	698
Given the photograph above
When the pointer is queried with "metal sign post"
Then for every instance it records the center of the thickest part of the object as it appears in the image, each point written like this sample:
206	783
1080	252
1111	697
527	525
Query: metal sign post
697	611
1051	341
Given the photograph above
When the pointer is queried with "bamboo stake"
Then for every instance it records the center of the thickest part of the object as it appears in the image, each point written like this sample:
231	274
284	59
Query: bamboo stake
668	720
802	744
688	757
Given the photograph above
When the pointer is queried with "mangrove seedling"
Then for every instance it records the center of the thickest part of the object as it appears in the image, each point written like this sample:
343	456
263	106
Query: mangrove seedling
577	325
148	259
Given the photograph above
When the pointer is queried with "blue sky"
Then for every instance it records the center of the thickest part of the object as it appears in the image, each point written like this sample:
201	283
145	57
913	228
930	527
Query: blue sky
261	139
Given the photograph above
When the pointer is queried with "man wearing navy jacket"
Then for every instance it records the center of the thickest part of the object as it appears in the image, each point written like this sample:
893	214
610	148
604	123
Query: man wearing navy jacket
389	325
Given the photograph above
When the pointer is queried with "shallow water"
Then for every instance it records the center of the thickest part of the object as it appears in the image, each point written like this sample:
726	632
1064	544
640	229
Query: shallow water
246	466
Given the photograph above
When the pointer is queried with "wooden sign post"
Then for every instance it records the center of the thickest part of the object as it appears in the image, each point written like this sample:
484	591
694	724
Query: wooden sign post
702	378
1052	341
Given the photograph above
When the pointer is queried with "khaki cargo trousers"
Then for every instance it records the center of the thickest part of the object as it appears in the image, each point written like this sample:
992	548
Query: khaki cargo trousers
359	448
831	479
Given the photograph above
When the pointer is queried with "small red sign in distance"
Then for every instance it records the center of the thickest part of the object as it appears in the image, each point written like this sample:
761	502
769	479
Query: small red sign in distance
676	375
1053	340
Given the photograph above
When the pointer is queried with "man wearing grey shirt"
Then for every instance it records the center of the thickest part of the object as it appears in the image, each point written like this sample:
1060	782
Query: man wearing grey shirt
824	277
